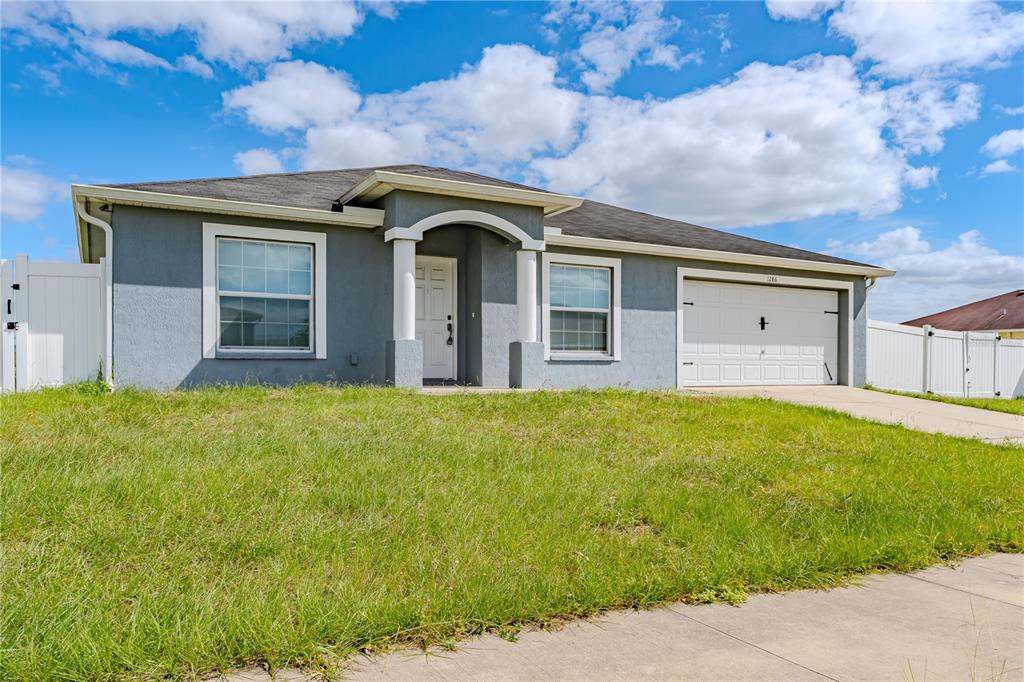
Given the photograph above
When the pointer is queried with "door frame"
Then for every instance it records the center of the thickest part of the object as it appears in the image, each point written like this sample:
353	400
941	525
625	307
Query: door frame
764	280
454	262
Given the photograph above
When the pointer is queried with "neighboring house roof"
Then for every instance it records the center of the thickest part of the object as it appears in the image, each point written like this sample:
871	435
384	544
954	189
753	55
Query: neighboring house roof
999	313
327	190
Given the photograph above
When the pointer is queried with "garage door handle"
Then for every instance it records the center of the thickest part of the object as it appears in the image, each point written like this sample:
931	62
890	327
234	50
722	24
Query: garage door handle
831	312
763	323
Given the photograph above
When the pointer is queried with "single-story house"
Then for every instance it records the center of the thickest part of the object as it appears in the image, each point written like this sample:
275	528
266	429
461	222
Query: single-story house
1003	314
411	274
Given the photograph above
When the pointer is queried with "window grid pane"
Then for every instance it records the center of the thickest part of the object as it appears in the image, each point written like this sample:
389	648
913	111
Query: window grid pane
248	322
573	330
580	298
252	267
579	286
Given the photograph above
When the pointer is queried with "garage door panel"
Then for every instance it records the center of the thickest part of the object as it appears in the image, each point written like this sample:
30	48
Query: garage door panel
723	339
709	372
732	372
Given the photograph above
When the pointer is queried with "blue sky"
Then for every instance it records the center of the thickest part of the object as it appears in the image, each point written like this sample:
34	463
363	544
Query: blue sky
887	133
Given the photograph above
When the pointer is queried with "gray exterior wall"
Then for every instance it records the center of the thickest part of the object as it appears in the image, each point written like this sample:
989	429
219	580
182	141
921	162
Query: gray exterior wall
158	304
648	325
403	208
158	326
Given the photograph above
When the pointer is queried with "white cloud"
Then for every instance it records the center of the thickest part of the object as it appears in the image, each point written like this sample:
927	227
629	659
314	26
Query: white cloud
922	176
505	109
234	33
617	35
911	39
905	240
258	161
24	194
998	166
1010	111
193	65
922	111
295	95
49	77
930	279
1005	143
23	160
775	143
120	52
799	9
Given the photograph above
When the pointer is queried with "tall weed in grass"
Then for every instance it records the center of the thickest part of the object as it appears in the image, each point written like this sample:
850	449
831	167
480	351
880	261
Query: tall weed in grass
148	535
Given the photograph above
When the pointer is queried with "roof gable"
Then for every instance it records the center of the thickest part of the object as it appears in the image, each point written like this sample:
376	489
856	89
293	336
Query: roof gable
321	190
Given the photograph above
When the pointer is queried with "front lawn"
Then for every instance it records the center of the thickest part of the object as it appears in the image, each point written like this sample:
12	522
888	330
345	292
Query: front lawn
1009	405
148	535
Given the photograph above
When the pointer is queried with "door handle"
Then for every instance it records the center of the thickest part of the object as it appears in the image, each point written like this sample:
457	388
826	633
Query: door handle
451	338
762	323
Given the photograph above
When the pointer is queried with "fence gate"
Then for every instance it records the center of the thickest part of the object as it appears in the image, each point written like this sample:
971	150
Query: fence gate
982	352
952	363
52	323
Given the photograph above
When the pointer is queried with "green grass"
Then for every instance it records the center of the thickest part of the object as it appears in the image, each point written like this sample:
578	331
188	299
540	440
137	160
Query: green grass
1008	405
148	535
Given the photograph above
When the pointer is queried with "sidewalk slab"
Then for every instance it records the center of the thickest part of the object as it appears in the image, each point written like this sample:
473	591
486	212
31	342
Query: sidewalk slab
961	623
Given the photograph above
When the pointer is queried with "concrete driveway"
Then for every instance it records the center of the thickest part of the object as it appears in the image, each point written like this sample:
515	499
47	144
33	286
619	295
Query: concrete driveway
939	624
914	413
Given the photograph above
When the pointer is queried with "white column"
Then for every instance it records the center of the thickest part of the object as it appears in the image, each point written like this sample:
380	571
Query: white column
526	295
405	289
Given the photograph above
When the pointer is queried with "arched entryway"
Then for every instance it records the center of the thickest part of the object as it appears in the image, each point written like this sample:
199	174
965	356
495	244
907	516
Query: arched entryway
405	353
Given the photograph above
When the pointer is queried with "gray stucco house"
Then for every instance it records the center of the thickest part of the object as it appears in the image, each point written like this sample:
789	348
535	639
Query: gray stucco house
413	274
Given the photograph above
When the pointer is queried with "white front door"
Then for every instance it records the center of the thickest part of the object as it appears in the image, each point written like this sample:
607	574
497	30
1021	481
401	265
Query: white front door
435	315
744	334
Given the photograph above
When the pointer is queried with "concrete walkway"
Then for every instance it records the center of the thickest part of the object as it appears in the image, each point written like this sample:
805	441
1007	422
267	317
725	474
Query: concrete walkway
914	413
938	624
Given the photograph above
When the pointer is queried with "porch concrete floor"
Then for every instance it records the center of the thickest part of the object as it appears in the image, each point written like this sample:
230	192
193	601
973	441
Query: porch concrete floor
457	390
914	413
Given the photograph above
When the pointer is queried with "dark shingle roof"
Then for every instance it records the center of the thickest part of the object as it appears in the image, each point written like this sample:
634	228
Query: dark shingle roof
312	189
320	189
604	221
998	313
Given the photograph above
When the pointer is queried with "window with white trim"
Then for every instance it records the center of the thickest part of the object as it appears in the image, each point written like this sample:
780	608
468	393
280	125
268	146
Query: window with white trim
581	308
264	294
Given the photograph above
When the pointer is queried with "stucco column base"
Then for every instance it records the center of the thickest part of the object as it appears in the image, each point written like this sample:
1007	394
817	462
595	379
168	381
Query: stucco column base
525	364
404	363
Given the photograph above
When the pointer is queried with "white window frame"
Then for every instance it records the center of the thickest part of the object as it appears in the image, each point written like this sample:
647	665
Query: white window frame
615	331
211	330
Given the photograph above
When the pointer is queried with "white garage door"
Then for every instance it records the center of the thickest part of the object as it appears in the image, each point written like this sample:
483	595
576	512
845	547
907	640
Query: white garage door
744	334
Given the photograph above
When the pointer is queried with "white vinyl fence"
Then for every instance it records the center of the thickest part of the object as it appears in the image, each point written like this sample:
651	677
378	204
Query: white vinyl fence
959	364
51	323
